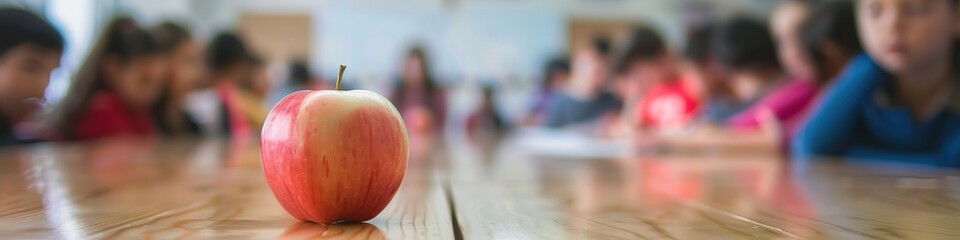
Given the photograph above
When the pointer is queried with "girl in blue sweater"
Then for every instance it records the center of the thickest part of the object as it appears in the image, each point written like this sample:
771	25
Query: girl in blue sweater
901	99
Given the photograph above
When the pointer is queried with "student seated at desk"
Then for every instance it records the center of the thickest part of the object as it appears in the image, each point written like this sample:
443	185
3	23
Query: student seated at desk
486	117
252	94
746	58
30	49
115	88
667	101
422	102
814	48
584	99
901	100
555	76
229	62
700	66
813	45
184	73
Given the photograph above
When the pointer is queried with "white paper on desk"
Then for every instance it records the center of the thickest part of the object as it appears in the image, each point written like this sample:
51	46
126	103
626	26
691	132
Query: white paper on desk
568	144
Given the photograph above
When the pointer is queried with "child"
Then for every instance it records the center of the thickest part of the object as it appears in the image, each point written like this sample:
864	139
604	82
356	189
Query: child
252	94
229	63
555	76
183	74
747	56
899	101
486	118
418	98
831	38
584	99
115	87
785	23
667	101
746	60
30	49
299	78
704	70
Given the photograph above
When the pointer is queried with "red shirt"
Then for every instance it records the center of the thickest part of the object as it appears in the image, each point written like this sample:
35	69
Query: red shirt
667	105
107	116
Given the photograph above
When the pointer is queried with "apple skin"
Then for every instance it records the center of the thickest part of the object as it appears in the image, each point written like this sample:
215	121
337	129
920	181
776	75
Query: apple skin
334	156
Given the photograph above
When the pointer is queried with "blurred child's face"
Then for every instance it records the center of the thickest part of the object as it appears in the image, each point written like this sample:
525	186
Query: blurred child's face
785	24
906	34
24	74
413	71
185	68
558	79
644	73
138	82
649	72
590	71
704	77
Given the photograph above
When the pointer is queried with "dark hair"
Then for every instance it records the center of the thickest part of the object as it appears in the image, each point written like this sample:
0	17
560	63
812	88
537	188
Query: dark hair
699	50
170	35
644	44
488	91
956	41
834	22
744	43
698	46
556	64
122	39
225	51
602	46
434	97
20	27
299	73
420	53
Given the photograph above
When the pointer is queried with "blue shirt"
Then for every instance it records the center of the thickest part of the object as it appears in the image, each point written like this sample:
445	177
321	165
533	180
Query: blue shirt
854	121
566	110
719	109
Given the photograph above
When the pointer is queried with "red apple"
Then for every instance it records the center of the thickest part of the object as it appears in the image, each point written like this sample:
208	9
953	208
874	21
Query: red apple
334	156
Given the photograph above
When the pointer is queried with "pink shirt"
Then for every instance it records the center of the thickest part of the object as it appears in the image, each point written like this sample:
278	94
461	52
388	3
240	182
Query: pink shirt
788	103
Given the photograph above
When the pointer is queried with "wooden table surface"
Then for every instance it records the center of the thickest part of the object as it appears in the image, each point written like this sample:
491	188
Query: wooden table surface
473	188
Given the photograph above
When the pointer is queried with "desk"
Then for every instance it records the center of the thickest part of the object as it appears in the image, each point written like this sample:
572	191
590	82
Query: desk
485	188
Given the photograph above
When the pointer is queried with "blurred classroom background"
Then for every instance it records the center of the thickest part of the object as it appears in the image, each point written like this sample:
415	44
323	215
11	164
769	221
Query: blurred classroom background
470	43
866	79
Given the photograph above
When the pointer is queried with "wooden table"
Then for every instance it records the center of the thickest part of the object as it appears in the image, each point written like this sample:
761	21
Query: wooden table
473	188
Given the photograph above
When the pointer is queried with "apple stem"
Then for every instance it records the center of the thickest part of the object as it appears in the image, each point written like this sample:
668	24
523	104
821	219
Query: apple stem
340	76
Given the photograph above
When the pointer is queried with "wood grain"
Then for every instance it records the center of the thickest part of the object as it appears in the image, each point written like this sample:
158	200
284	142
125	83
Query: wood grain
181	190
502	192
485	187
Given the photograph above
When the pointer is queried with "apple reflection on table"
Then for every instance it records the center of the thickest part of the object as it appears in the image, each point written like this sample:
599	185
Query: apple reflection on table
306	230
421	177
